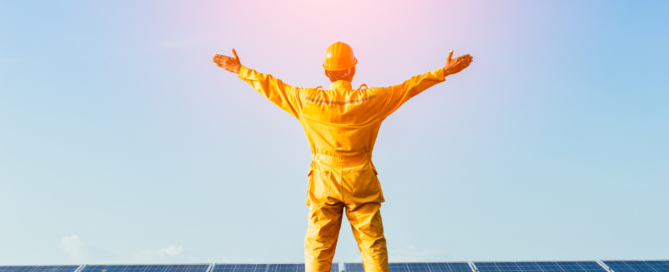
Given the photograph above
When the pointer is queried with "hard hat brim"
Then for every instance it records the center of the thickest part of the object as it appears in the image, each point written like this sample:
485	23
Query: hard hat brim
339	66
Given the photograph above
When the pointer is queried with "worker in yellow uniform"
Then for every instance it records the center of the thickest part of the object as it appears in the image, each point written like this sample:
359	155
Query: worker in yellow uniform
341	124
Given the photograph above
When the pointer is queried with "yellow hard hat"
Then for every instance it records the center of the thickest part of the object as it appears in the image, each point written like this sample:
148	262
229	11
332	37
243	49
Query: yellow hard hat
339	56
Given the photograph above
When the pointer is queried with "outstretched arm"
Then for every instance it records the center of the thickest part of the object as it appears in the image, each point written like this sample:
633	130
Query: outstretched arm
397	95
281	94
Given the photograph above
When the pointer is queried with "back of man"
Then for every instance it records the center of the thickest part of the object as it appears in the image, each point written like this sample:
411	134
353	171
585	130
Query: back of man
341	125
341	122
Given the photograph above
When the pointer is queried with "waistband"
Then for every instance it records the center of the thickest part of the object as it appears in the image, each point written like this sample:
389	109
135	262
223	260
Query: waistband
346	162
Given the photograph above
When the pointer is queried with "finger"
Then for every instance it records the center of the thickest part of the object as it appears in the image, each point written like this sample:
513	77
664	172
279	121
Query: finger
235	53
450	54
464	59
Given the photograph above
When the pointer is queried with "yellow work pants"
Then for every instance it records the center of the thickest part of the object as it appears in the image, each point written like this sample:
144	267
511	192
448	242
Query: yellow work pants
333	187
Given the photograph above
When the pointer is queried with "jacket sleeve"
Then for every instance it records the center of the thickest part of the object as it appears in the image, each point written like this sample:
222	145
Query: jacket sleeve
281	94
397	95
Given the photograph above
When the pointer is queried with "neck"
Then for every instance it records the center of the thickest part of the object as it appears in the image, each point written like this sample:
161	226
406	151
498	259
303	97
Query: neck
348	78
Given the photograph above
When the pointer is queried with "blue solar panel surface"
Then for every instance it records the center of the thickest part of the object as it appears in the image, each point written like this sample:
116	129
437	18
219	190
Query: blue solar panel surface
43	268
416	267
587	266
147	268
265	268
638	266
590	266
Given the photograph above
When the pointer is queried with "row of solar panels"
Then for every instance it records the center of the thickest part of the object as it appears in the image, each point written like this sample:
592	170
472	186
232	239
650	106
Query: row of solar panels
584	266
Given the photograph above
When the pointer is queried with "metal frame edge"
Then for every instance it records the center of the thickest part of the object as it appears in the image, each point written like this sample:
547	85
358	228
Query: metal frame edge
473	266
606	267
81	267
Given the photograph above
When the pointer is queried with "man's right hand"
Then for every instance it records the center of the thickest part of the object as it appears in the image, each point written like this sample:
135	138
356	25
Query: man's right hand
458	64
228	63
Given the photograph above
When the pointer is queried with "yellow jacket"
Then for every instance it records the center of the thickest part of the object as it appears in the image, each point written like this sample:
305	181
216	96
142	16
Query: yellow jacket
340	123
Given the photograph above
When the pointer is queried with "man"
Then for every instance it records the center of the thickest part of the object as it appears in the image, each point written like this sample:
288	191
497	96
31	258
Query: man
341	125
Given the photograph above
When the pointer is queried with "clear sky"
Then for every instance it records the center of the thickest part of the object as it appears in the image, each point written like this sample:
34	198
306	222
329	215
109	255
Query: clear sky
121	142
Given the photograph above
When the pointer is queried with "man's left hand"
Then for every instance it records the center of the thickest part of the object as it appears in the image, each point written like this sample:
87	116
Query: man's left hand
228	63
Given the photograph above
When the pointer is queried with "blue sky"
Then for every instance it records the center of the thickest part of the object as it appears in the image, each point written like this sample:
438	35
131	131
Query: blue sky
120	141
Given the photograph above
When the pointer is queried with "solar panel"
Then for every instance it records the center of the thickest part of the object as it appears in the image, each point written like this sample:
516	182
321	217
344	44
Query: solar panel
638	266
41	268
147	268
416	267
586	266
589	266
265	267
353	267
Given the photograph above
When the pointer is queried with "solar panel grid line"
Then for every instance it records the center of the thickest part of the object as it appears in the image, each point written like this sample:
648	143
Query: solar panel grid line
660	265
637	266
664	265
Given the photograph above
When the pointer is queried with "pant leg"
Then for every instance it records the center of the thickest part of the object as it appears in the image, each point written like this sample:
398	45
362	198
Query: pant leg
321	239
367	229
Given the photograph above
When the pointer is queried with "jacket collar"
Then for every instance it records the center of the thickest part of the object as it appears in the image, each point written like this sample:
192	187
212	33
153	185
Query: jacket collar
340	84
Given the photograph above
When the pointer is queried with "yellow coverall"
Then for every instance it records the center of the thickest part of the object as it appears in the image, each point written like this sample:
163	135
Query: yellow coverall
341	125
